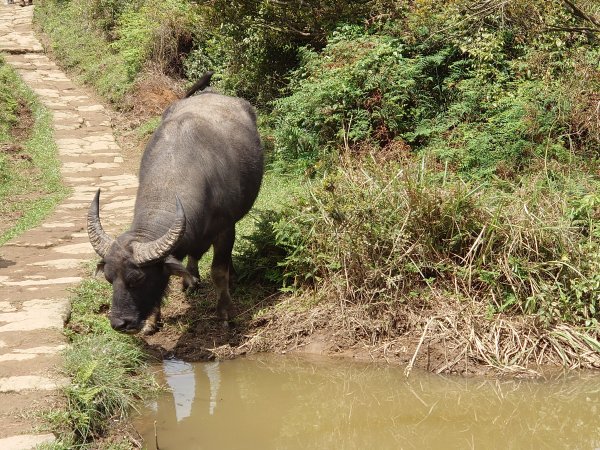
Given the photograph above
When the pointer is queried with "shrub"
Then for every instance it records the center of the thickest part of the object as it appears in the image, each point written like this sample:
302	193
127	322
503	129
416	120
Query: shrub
463	80
360	89
101	15
500	133
253	44
380	232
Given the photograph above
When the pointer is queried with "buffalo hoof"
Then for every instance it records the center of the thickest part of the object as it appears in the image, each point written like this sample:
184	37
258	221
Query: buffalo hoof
190	285
149	328
227	325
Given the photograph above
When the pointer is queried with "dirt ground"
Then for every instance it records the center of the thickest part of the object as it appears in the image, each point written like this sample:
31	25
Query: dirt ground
152	94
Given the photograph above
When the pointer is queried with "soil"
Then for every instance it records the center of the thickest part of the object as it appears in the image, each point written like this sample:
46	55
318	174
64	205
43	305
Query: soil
150	96
190	330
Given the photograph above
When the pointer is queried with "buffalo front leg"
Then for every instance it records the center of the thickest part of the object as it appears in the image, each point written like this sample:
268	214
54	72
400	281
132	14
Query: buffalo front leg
220	272
151	324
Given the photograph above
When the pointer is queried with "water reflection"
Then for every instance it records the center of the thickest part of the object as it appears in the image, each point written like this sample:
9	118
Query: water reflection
181	379
214	379
295	403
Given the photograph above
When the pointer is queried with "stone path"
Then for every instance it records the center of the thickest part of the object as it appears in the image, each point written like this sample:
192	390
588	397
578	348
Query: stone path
38	267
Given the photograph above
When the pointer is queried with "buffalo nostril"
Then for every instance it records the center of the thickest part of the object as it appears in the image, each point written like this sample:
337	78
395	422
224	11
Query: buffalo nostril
118	324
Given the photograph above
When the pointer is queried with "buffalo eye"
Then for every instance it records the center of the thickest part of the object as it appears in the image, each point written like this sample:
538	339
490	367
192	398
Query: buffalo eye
109	272
134	278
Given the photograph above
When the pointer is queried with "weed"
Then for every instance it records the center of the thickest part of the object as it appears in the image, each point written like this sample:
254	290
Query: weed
147	128
255	236
156	32
385	245
381	232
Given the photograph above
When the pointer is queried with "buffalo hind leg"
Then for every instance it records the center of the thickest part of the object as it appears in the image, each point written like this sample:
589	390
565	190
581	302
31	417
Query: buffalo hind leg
193	283
192	268
220	271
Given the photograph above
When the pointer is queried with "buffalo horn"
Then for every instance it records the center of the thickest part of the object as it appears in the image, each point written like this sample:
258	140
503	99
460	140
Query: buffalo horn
98	238
147	252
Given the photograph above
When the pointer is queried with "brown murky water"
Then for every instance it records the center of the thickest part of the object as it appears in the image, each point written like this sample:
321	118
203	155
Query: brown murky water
287	402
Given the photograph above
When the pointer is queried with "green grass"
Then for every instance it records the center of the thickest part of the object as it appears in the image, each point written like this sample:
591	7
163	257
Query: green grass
108	372
29	187
276	191
83	49
400	228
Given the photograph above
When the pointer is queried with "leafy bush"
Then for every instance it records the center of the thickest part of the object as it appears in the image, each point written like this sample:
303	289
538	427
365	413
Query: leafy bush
253	44
360	89
101	15
464	81
259	253
498	133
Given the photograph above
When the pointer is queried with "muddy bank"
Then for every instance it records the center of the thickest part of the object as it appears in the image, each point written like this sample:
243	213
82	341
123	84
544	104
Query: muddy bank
280	323
455	338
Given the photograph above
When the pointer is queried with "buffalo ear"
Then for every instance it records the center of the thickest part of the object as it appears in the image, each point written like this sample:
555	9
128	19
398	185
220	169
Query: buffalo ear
99	268
174	267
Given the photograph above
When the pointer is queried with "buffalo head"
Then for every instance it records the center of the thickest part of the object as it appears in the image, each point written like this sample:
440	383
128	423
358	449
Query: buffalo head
138	271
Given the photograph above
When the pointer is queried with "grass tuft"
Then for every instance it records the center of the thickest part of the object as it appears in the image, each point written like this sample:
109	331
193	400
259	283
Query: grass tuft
108	372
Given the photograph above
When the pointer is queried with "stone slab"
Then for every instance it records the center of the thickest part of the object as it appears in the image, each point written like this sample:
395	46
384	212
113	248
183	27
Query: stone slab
26	441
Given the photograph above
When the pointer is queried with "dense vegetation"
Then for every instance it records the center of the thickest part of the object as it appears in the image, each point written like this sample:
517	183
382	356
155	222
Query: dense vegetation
450	148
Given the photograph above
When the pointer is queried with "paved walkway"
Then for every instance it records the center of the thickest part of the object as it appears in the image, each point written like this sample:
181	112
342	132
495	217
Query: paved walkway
38	267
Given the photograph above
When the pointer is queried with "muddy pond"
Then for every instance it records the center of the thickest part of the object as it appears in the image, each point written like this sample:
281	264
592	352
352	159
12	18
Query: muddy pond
291	402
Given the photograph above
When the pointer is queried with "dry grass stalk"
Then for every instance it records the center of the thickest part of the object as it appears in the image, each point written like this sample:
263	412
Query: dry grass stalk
466	339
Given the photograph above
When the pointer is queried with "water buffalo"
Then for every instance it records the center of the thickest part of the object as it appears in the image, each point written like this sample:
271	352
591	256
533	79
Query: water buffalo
200	174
